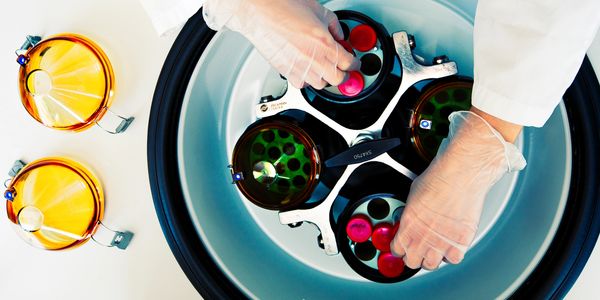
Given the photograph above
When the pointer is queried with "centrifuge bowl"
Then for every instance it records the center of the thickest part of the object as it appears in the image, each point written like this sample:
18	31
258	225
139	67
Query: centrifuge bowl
540	226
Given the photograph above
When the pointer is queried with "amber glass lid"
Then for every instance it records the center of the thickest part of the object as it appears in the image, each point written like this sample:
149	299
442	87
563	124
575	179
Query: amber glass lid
430	124
55	203
277	164
66	82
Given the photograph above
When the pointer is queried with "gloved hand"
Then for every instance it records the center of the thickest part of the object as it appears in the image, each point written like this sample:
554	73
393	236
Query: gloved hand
297	37
445	202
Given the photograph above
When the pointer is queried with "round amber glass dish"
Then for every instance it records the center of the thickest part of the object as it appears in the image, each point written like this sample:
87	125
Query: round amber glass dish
56	203
279	164
66	83
430	124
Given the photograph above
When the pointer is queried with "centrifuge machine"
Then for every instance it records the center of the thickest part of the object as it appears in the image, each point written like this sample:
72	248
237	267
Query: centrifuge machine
268	191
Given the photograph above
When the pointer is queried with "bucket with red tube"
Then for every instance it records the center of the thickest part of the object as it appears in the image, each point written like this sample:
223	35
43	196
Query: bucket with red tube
365	230
368	88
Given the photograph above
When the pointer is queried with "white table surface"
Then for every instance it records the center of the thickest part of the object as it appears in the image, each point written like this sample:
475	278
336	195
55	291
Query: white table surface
147	269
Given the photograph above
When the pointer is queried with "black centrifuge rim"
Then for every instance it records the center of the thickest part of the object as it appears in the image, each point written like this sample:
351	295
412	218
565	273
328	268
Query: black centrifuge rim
553	276
169	203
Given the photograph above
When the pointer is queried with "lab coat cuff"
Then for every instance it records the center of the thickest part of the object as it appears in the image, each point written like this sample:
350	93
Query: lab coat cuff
513	111
174	18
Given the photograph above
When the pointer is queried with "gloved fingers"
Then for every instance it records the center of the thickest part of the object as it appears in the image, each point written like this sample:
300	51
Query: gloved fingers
328	17
432	260
316	81
319	85
307	64
450	230
323	57
405	235
289	69
454	255
328	70
335	76
341	58
315	77
399	244
414	257
347	61
455	233
335	70
295	81
299	73
460	235
313	69
453	250
416	249
516	161
334	25
419	248
425	236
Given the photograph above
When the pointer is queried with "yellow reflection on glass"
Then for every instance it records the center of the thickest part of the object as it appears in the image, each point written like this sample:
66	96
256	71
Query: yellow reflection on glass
67	83
57	203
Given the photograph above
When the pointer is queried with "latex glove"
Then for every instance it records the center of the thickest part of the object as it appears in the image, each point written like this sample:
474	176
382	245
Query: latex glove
445	202
297	37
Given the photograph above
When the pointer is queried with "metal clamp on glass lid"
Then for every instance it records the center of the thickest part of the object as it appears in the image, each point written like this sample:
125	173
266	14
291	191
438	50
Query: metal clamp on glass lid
56	203
276	164
429	123
67	82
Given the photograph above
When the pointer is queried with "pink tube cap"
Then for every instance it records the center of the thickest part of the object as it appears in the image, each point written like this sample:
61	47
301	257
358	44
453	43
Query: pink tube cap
353	86
359	228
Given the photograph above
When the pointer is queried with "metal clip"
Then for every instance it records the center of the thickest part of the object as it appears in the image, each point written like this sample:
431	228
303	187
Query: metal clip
239	176
123	123
119	239
30	41
16	168
10	194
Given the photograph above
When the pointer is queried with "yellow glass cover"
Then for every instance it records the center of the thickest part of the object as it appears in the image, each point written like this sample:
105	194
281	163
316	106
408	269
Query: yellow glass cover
67	82
57	203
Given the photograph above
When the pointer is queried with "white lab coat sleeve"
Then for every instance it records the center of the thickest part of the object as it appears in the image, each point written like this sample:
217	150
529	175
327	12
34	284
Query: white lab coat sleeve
527	53
168	15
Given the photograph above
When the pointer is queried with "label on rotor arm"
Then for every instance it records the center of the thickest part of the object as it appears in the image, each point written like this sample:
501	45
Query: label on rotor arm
271	108
363	152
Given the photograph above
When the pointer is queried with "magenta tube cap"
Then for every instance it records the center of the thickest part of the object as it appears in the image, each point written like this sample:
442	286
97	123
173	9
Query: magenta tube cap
353	86
359	228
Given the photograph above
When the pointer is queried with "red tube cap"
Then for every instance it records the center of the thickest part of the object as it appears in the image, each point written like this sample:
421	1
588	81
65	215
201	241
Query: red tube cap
363	38
389	265
353	86
359	228
383	234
